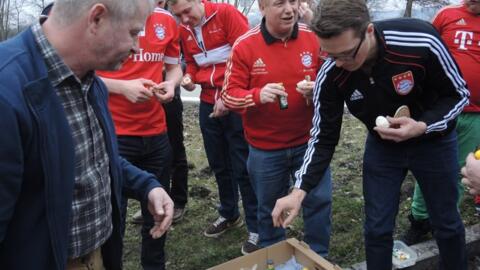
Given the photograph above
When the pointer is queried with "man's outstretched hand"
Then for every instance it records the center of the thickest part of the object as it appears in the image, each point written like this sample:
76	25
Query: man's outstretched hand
161	207
287	208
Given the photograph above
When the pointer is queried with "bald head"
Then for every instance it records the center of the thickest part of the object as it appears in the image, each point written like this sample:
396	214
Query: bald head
68	11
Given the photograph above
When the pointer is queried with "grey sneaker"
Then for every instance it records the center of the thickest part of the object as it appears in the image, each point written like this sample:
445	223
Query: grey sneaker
137	218
251	244
178	214
222	225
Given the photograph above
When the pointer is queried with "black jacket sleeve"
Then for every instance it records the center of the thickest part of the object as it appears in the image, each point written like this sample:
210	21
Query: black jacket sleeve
325	132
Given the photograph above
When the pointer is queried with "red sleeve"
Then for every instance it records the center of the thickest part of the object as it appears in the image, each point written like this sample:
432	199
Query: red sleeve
172	52
235	94
439	20
236	22
192	67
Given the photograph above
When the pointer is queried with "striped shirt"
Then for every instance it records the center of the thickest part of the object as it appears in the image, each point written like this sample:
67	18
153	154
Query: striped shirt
91	217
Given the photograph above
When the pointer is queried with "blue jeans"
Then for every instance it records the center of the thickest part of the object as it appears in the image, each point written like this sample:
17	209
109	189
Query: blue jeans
227	153
434	164
152	154
272	173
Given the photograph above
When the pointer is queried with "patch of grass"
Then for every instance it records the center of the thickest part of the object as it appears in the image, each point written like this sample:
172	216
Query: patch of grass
188	249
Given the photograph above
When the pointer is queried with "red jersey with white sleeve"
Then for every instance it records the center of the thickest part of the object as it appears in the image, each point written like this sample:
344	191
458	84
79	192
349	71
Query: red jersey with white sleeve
258	59
206	49
158	44
460	30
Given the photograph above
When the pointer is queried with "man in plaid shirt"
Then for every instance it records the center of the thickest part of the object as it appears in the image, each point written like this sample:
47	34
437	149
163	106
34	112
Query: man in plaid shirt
61	175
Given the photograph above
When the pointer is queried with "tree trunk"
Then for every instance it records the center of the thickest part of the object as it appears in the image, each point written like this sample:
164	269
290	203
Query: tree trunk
408	9
4	19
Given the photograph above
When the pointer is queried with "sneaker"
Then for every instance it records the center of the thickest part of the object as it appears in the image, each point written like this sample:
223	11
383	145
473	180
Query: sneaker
419	231
137	218
178	214
222	225
251	244
477	205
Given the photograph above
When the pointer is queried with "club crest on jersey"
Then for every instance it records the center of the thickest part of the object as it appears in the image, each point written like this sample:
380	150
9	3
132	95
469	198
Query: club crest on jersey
403	83
160	31
306	58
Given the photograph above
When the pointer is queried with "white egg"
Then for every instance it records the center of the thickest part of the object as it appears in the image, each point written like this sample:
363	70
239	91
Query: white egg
301	84
187	80
382	121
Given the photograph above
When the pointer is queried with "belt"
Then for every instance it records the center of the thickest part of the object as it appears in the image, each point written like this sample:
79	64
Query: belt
90	261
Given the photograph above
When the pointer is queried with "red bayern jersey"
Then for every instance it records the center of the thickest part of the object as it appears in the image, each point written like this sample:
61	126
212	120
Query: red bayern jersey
460	30
158	44
255	62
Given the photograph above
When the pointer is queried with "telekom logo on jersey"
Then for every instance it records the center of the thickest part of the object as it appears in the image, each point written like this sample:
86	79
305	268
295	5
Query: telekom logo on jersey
464	38
145	56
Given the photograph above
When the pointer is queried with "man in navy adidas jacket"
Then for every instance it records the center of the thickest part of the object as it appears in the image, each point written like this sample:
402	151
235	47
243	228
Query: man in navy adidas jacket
375	68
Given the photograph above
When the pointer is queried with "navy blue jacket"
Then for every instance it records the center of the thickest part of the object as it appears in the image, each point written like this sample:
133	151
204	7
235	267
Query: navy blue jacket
37	164
413	67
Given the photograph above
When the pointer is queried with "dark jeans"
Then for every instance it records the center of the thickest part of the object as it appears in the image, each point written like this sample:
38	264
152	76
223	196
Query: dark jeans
179	169
434	164
227	153
152	154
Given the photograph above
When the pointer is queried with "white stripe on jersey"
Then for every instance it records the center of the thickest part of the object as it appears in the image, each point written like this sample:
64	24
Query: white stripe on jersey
415	39
213	56
250	32
163	11
171	60
307	158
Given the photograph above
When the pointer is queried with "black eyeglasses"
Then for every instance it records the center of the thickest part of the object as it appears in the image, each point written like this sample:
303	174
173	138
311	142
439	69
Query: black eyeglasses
346	57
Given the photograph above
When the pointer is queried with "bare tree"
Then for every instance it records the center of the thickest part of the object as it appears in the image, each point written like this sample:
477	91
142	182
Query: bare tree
375	4
425	3
246	5
18	6
4	19
38	5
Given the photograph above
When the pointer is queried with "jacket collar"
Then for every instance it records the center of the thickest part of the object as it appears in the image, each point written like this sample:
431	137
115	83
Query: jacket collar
211	10
269	39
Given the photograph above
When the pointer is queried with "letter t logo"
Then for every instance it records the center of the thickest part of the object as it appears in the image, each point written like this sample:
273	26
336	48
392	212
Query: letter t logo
463	38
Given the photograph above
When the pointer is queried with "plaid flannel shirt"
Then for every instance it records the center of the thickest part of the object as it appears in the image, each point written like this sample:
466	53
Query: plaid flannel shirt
91	218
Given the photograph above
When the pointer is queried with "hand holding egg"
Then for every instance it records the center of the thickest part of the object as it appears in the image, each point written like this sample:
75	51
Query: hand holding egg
187	83
305	87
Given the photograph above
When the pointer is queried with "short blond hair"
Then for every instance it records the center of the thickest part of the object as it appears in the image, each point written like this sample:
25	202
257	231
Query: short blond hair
68	10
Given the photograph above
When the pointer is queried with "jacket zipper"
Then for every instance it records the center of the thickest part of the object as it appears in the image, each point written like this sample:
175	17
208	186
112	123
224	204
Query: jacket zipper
200	45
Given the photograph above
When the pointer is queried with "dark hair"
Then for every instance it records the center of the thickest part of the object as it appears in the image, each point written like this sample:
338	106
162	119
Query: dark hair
333	17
